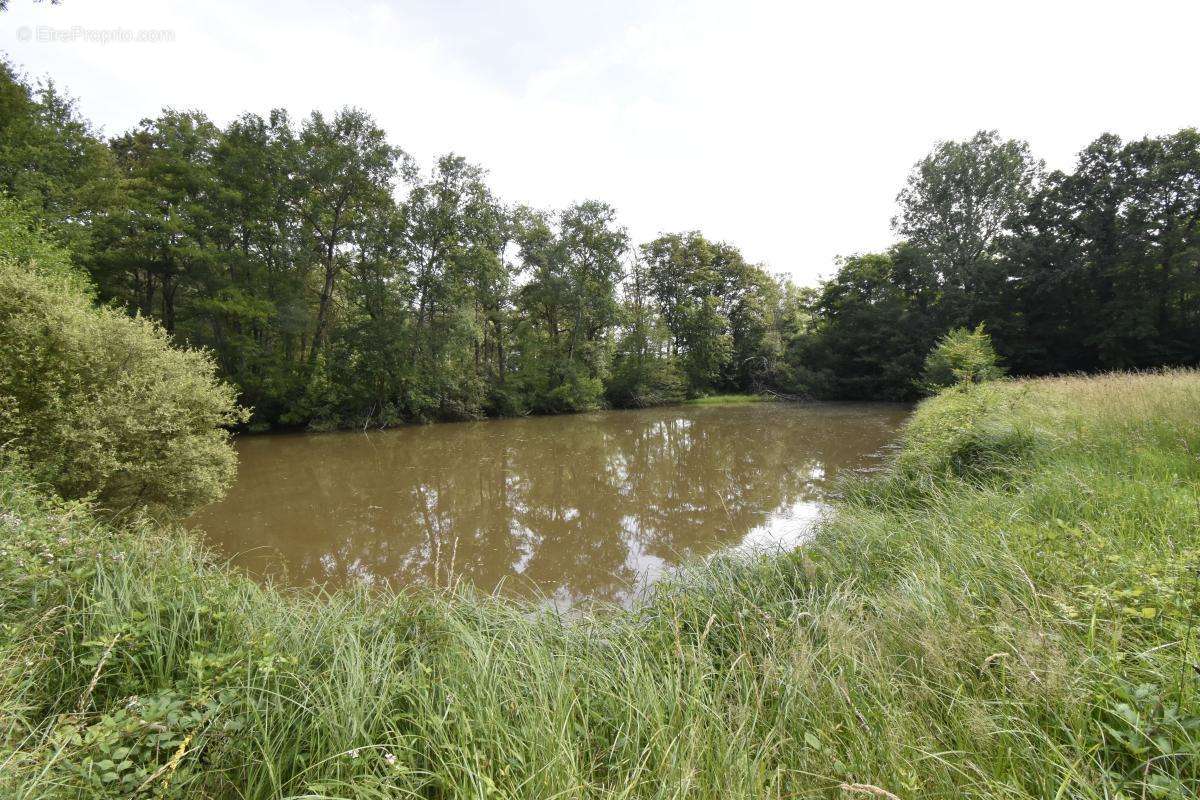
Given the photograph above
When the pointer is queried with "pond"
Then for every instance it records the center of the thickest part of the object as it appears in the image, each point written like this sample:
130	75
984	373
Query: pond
567	508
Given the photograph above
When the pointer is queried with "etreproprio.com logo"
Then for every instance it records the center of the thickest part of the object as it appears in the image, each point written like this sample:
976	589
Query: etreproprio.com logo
46	34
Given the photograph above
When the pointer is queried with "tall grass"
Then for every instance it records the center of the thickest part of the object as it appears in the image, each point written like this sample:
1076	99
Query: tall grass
1008	612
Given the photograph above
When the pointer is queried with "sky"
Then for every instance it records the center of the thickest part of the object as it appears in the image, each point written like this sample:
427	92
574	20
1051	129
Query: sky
786	128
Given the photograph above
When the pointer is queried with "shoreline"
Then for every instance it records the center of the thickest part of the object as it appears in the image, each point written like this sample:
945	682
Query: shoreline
1004	592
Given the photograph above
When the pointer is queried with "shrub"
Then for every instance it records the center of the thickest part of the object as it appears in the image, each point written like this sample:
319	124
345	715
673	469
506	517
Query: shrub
100	404
961	356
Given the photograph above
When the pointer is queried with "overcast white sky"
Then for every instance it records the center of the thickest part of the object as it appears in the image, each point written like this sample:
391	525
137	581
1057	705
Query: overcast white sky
784	128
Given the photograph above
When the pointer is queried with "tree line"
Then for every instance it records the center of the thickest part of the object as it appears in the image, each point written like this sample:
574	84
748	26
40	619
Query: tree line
1083	271
338	283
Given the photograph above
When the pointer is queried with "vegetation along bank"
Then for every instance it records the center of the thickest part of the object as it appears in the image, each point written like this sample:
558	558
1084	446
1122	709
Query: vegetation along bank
1008	612
339	283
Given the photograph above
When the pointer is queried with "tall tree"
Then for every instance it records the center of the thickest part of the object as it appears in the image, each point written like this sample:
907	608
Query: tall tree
454	236
686	279
644	371
160	244
955	206
869	331
573	265
721	311
345	173
1105	261
254	312
51	161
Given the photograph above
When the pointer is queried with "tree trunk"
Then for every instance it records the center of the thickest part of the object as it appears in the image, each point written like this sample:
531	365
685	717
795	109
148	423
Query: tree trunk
323	311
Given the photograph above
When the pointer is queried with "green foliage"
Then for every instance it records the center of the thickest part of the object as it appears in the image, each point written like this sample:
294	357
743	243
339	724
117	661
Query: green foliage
868	327
1080	271
99	404
1036	622
339	285
644	372
958	200
1102	264
25	243
51	162
638	382
727	320
961	356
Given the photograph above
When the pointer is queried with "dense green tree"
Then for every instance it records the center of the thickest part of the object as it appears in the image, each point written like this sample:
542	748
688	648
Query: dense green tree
51	161
344	177
453	237
1097	268
687	280
1106	262
727	317
568	306
955	207
644	373
253	310
754	303
869	331
159	244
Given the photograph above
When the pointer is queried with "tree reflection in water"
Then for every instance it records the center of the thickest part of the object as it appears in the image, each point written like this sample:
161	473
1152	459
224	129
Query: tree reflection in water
570	508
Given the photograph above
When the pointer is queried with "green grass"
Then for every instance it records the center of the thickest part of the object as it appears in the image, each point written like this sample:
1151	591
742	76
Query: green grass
1007	613
728	399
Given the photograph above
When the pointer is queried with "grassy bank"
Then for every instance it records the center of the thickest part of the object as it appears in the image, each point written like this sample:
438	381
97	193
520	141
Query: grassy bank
728	399
1007	613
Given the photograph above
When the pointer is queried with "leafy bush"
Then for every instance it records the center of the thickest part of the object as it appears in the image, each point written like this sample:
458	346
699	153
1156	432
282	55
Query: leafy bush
99	404
961	356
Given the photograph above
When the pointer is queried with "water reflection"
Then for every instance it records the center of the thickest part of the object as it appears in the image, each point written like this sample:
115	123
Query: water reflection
572	507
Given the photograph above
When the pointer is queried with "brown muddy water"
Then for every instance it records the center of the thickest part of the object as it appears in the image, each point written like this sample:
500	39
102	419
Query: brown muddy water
567	508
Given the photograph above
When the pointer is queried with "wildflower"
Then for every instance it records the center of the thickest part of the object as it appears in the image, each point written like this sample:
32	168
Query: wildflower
353	753
390	759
